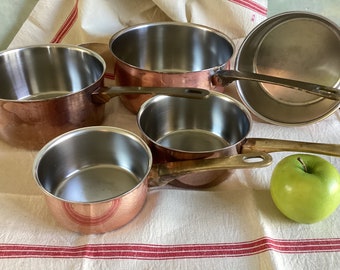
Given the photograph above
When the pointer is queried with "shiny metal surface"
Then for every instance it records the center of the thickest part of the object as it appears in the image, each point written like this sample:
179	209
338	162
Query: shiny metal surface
171	47
168	54
105	94
46	91
167	172
92	161
296	45
183	129
26	73
194	127
225	77
94	178
273	145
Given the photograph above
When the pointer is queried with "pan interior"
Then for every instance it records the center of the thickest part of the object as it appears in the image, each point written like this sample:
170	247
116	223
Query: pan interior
304	62
172	47
96	183
192	140
43	72
90	165
193	125
297	46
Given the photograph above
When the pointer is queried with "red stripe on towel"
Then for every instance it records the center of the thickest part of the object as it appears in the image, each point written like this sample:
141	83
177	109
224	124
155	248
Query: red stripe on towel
170	252
67	25
252	5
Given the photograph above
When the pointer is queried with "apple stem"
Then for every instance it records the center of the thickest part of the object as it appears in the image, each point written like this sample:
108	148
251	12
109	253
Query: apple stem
303	164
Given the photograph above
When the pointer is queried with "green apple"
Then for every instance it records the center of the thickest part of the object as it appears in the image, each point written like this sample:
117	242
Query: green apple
305	188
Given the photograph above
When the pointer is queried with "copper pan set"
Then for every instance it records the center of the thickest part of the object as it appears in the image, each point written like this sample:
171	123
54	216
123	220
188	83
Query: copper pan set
171	75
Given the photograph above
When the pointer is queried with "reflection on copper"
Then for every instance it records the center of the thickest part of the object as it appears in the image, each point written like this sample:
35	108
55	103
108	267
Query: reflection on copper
83	215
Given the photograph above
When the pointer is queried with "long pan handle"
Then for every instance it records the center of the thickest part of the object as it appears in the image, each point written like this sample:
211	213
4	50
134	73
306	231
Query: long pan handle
105	94
273	145
224	77
163	173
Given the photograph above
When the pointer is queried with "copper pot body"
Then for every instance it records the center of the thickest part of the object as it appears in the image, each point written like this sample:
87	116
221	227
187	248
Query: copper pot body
46	91
99	217
101	180
176	129
168	54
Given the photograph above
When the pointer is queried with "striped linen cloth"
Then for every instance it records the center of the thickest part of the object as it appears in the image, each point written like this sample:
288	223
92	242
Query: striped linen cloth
234	225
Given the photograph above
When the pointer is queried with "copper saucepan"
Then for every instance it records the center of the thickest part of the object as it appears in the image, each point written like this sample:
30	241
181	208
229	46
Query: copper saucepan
50	89
96	178
184	54
180	129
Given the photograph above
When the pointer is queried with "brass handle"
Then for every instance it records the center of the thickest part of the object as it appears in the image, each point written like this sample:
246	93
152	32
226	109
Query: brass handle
106	93
164	173
272	145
